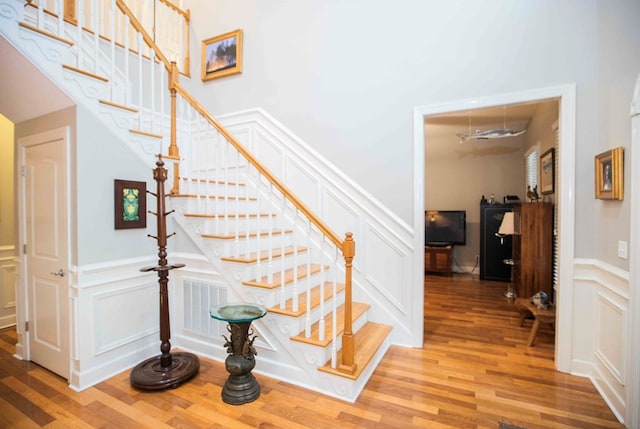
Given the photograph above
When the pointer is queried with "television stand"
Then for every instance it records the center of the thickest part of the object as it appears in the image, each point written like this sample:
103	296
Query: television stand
437	259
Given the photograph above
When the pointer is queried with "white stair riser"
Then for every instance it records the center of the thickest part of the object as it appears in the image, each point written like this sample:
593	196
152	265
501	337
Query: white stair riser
204	205
229	226
241	246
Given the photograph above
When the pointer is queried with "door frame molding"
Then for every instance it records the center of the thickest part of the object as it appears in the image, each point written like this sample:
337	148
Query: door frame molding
565	203
22	293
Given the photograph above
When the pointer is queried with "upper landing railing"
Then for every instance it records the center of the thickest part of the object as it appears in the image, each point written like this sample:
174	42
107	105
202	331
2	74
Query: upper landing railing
166	22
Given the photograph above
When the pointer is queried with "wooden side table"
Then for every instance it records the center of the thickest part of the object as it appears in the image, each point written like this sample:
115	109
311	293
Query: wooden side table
438	259
527	309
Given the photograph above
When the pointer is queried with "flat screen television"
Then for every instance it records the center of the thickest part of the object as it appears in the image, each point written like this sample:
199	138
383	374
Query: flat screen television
445	227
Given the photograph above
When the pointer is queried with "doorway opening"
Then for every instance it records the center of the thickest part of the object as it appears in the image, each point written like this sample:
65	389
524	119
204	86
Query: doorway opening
564	195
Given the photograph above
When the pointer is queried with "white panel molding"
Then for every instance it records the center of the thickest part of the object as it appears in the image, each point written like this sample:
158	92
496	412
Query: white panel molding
116	271
612	278
619	327
369	217
126	327
610	292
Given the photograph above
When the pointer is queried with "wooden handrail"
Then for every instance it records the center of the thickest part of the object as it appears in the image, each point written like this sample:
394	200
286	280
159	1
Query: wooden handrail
147	38
263	170
184	13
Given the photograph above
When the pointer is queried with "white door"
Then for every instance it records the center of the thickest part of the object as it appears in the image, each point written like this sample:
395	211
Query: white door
45	221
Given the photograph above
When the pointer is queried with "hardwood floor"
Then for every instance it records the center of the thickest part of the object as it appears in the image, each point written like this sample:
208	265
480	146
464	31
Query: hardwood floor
474	371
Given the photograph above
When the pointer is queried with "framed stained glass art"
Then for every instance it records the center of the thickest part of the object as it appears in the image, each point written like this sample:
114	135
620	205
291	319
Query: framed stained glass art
130	204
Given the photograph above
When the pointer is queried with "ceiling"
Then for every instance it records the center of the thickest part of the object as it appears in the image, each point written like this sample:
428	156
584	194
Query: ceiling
513	116
25	92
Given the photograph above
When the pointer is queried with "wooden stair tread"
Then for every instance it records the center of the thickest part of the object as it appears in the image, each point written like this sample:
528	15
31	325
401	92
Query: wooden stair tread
232	215
264	255
213	197
241	235
302	299
85	73
118	106
45	33
367	341
288	277
222	182
357	310
146	133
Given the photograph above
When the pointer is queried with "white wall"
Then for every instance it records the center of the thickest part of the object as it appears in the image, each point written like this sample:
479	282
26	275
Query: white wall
101	158
7	226
345	75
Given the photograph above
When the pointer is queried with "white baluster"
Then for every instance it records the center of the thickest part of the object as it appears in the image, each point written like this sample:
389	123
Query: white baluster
307	324
237	206
334	313
270	267
282	259
321	324
79	45
295	298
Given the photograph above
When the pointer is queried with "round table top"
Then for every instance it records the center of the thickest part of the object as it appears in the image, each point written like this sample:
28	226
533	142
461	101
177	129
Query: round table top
237	313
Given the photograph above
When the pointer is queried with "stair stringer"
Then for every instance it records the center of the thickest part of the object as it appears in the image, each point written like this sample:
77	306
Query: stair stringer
49	54
286	360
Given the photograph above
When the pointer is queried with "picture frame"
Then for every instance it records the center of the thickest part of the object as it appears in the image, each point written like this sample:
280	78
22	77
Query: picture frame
222	55
130	204
548	172
609	174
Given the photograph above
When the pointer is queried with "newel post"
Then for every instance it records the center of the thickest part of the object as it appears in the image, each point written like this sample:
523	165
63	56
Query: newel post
174	151
348	348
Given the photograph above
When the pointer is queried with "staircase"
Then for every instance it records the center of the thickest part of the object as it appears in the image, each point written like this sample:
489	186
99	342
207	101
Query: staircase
267	246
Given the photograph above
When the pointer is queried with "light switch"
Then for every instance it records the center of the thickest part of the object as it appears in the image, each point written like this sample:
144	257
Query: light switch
622	249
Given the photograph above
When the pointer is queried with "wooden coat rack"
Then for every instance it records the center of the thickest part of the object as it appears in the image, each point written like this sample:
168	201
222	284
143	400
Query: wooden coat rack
168	370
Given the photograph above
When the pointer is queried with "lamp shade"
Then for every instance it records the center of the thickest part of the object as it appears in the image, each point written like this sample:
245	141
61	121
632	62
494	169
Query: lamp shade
507	227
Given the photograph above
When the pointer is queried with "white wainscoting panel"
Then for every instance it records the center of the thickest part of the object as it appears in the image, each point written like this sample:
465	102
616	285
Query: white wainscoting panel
114	319
140	306
600	341
7	287
611	340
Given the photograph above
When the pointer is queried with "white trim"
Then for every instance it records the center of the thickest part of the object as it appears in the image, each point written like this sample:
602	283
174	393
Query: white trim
632	415
565	195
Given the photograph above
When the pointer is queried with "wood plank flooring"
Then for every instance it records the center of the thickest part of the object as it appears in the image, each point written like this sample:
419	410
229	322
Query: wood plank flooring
474	371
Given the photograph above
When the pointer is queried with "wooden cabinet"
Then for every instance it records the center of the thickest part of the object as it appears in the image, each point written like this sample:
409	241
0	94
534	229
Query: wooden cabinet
438	259
533	249
494	250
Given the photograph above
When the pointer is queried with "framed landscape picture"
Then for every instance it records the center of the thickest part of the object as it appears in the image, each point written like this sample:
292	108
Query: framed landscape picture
547	172
130	204
609	174
222	55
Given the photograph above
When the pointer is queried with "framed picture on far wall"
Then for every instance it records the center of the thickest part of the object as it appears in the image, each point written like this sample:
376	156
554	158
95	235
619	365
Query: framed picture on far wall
130	204
609	174
547	172
222	55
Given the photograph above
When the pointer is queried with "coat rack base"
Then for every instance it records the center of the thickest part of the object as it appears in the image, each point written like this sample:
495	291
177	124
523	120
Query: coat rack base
149	374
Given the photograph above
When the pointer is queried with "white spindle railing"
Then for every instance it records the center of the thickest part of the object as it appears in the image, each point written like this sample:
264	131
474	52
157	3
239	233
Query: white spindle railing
166	22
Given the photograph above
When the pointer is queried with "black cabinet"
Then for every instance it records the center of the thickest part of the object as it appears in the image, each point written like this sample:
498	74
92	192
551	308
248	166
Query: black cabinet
494	250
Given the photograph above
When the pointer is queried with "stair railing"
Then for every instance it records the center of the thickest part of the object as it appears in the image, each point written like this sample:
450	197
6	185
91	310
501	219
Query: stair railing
237	164
116	47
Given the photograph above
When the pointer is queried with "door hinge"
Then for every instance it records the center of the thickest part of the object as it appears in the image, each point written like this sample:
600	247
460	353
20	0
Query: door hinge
26	326
23	171
24	249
